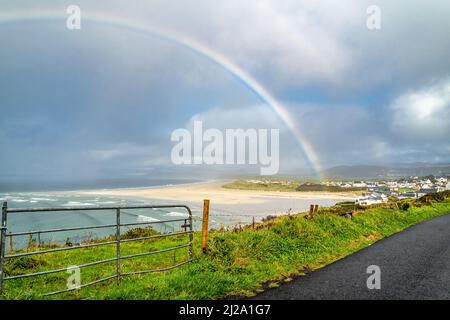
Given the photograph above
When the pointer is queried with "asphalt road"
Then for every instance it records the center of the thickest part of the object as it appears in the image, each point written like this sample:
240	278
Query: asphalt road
414	264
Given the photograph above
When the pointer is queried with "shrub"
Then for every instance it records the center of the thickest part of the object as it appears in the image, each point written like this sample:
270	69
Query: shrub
18	265
404	206
139	232
438	197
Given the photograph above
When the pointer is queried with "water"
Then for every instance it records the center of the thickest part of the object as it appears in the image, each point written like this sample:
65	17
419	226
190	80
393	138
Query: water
221	215
24	222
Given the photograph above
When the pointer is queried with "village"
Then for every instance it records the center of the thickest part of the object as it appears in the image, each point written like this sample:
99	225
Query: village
371	191
402	188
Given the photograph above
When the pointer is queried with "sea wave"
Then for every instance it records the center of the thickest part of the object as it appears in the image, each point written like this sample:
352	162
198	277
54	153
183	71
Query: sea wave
76	204
43	199
18	200
106	202
141	218
177	214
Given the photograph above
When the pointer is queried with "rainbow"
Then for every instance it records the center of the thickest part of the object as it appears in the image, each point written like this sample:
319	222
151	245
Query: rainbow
191	44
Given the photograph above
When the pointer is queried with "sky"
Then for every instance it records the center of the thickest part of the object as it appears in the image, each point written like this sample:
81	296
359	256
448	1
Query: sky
103	101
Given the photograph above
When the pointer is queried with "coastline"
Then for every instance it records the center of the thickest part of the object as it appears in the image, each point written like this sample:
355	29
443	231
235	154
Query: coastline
227	207
213	190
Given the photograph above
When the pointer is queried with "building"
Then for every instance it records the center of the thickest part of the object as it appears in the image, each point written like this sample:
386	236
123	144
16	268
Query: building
381	189
442	180
408	195
423	192
346	185
359	184
373	198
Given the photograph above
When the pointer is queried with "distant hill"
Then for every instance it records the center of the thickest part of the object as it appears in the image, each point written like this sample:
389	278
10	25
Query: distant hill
398	170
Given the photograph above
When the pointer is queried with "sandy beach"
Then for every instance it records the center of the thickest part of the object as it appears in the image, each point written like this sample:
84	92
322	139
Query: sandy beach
217	194
238	204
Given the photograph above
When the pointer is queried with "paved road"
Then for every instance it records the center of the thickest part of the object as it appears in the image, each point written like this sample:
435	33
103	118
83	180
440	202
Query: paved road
415	264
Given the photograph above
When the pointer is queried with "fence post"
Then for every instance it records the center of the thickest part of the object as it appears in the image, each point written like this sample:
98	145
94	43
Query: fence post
316	209
118	244
311	210
3	241
205	224
30	241
11	242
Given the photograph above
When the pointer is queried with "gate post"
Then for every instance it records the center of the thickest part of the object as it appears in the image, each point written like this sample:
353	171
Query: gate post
191	235
2	242
205	224
118	244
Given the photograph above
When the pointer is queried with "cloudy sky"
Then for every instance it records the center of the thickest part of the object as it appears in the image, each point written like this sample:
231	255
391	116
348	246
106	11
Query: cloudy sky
103	100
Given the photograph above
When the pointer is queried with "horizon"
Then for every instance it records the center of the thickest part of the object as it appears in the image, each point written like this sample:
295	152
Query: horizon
36	184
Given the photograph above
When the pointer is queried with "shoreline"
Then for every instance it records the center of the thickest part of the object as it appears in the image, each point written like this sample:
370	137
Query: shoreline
95	189
213	190
227	206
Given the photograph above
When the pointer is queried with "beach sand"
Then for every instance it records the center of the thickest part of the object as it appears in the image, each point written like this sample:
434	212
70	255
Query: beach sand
217	194
238	204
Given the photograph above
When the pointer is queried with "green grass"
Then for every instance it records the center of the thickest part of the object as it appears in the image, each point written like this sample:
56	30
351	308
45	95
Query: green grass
239	262
290	186
268	186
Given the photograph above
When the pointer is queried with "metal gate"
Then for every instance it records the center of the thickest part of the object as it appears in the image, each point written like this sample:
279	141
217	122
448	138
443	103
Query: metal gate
186	227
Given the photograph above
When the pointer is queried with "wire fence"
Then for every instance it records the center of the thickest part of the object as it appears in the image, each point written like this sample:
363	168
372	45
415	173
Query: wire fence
186	227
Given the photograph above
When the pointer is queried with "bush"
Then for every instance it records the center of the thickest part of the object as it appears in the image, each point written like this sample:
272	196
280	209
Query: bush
438	197
404	206
18	265
139	232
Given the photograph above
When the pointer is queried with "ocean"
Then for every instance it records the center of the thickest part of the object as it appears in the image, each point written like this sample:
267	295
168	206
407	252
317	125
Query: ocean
25	222
221	215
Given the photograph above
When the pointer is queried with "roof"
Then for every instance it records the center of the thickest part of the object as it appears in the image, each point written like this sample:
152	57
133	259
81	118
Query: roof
429	190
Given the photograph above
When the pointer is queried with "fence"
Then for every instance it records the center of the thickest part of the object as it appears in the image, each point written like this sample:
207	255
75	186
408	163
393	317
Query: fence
187	226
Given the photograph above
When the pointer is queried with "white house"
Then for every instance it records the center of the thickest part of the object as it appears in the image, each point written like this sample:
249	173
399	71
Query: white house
373	198
442	180
359	184
346	185
392	184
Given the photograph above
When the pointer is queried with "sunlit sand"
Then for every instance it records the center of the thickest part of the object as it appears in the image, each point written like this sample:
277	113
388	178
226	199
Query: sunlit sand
217	194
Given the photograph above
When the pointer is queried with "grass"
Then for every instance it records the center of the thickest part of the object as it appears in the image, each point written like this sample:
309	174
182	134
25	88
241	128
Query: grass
286	186
239	262
290	186
308	187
